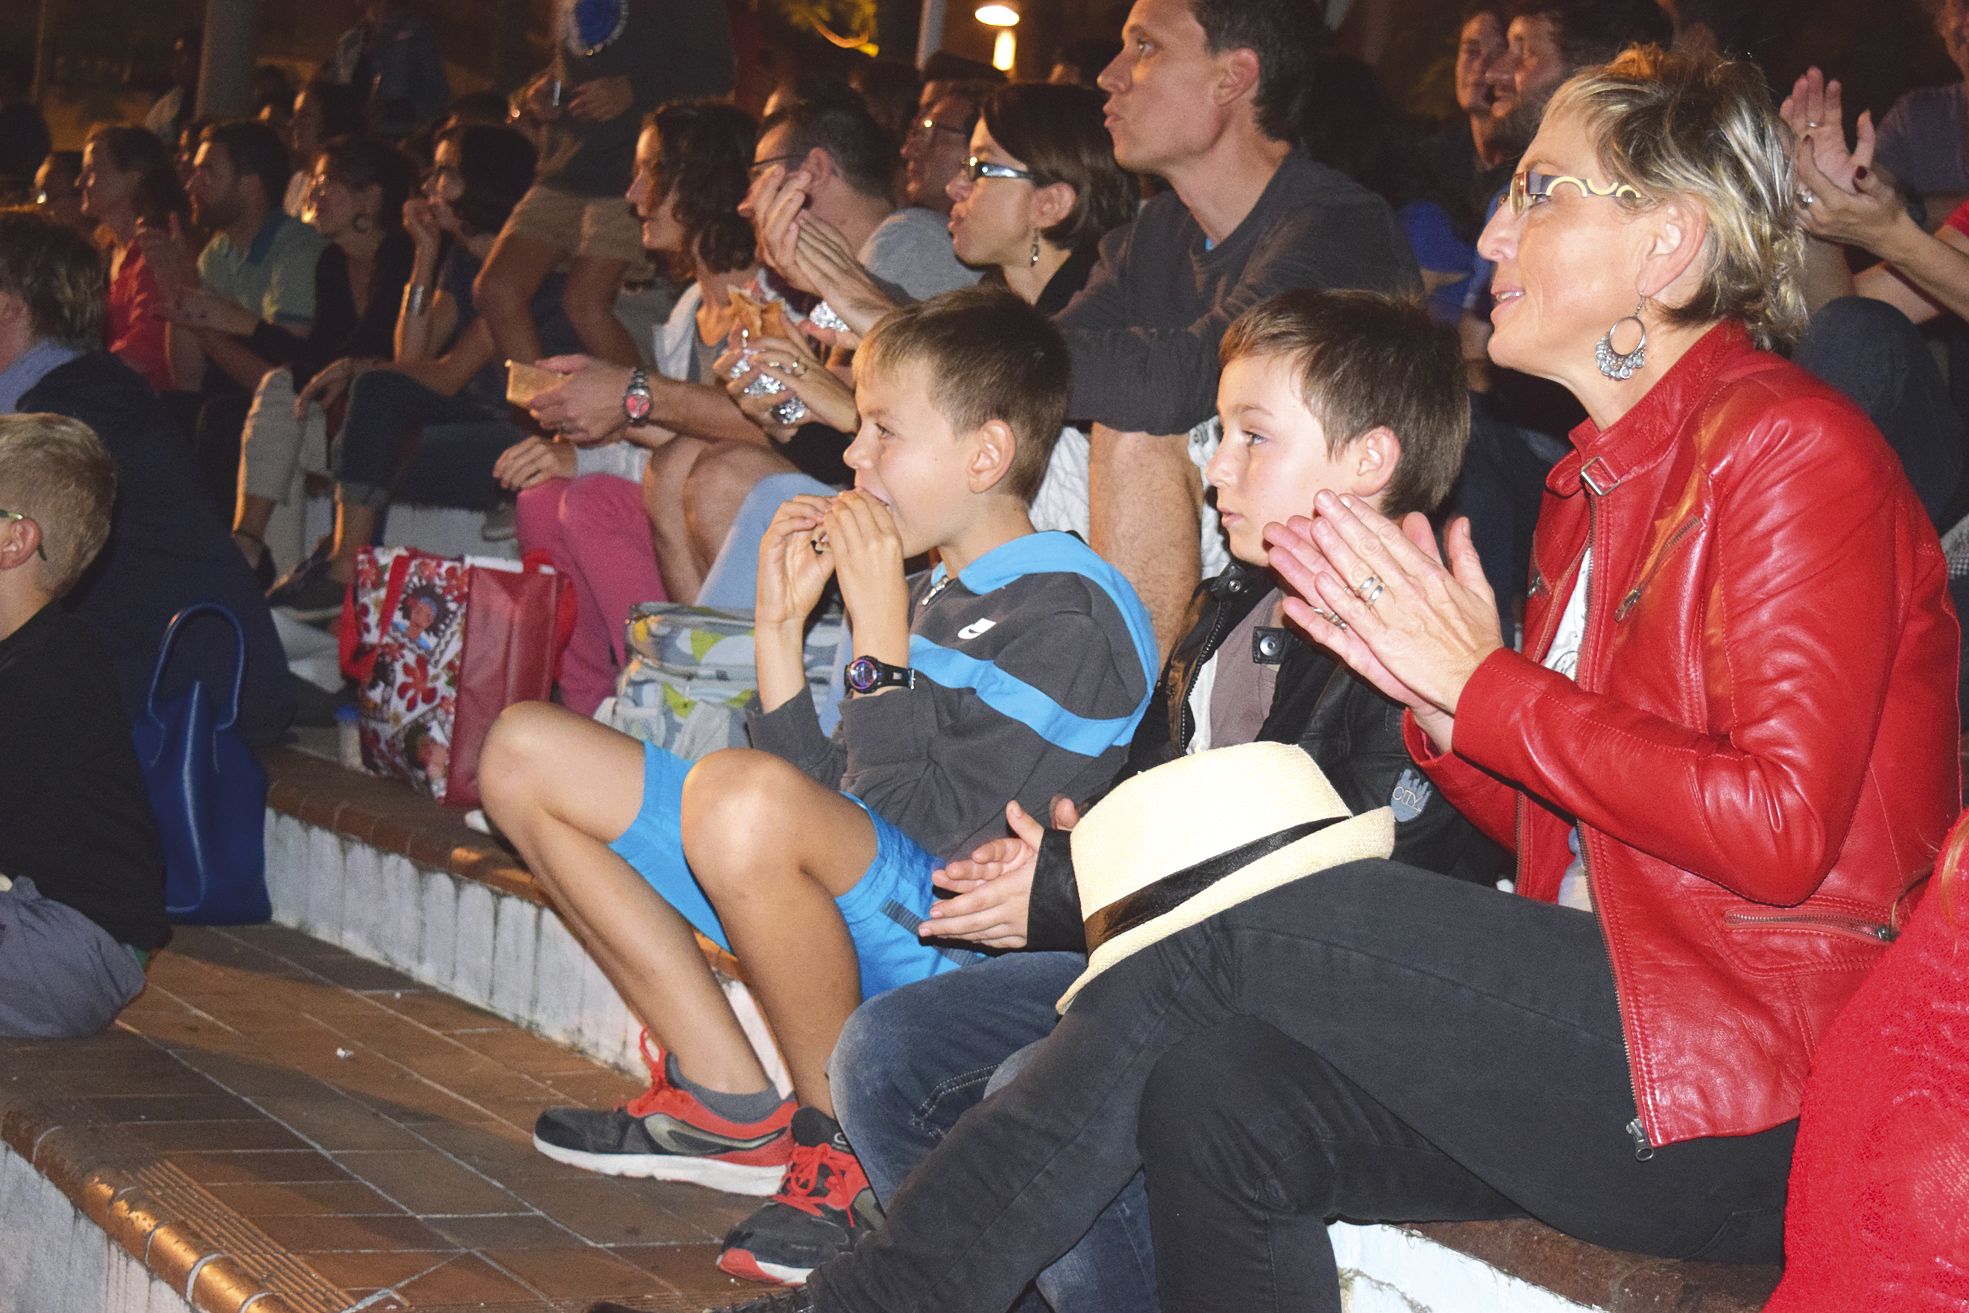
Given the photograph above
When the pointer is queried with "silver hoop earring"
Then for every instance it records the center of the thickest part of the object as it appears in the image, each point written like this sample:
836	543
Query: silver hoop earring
1621	365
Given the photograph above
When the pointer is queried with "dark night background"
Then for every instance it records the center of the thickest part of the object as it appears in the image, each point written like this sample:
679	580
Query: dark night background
108	55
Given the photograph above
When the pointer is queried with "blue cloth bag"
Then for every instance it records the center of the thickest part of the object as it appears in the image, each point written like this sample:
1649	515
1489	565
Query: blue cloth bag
208	791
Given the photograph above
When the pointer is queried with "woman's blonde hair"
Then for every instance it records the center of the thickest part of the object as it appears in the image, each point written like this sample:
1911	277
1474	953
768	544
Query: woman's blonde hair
1704	128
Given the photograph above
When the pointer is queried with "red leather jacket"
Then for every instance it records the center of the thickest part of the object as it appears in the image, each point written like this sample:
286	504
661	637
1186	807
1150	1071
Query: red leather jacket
1760	750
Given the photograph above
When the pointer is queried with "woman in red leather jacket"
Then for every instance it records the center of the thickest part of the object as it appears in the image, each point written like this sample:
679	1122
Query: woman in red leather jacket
1725	753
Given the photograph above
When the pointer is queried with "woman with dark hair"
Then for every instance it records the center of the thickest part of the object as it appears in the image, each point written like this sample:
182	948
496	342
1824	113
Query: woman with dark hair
322	112
611	515
443	391
130	183
1039	191
357	188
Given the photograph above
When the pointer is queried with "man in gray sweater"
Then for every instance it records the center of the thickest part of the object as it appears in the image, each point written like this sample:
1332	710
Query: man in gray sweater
1207	95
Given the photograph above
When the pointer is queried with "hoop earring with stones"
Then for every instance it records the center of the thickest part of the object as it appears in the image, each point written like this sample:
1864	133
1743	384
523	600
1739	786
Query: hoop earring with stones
1622	365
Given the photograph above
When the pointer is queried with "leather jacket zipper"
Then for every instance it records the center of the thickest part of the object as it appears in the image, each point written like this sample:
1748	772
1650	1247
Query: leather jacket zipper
1204	653
1830	922
1636	1129
1682	531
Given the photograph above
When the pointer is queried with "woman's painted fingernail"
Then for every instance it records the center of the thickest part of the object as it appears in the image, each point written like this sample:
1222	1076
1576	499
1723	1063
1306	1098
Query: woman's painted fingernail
1859	175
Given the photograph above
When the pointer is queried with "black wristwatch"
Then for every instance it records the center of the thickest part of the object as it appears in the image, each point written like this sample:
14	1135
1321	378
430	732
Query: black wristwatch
636	398
865	675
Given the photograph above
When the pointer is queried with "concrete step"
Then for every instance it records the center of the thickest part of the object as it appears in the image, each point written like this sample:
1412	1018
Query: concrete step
279	1126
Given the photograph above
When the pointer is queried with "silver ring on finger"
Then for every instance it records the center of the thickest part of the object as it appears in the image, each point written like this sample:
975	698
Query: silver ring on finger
798	369
1369	590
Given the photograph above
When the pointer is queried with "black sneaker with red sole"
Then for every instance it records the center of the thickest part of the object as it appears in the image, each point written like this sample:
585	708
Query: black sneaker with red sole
824	1206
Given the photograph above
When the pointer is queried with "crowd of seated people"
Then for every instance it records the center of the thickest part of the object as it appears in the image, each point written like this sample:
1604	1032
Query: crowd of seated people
1556	498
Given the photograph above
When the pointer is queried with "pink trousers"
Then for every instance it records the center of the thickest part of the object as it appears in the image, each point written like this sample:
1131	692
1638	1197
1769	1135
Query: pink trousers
595	531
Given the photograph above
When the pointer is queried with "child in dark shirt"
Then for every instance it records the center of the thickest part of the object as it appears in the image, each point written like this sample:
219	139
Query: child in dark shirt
81	868
1017	668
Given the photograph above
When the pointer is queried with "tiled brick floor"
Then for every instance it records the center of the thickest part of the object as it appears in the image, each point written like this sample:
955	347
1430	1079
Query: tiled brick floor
356	1136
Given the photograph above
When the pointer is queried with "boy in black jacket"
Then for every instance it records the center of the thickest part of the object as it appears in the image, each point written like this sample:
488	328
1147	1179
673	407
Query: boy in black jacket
81	869
1352	391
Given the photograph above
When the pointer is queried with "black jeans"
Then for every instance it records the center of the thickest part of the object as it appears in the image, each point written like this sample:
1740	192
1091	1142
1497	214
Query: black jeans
404	442
1463	1058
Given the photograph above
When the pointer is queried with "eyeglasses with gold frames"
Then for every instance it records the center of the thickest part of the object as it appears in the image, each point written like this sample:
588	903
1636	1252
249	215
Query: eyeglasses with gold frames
1528	186
40	549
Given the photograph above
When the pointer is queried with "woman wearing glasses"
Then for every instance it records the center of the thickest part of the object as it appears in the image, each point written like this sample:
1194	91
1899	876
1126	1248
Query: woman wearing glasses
1727	750
1036	194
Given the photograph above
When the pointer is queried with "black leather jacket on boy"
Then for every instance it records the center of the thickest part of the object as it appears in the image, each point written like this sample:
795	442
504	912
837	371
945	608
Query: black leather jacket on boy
1344	724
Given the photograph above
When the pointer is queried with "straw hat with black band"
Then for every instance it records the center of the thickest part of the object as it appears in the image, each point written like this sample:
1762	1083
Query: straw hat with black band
1174	846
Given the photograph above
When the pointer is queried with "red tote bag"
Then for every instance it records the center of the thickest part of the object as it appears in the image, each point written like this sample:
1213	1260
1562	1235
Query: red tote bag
438	647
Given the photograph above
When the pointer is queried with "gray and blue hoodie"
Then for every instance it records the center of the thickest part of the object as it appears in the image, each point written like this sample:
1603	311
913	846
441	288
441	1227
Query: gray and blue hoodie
1033	667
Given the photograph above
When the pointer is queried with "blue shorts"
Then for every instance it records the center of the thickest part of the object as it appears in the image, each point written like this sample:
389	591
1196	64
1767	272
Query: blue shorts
882	911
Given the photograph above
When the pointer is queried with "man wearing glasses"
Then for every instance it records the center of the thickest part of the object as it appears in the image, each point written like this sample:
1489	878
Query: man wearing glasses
938	142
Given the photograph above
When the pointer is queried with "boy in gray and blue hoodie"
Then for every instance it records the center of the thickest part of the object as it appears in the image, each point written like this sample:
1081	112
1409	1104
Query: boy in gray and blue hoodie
1017	668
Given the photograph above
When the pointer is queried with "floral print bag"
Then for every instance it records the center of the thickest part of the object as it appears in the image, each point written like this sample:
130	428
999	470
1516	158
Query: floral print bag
438	646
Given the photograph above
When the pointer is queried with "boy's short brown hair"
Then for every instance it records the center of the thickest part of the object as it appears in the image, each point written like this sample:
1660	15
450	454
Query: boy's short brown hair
1366	361
990	356
55	471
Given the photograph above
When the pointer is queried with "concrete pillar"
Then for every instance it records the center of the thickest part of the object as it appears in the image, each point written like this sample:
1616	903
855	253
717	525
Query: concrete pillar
225	74
44	51
929	36
513	60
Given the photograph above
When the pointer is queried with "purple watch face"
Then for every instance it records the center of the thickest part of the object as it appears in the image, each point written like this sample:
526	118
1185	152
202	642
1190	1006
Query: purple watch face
863	674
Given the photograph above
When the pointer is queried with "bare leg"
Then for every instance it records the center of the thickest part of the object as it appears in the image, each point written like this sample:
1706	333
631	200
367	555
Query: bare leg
716	487
561	787
1145	499
663	499
355	526
253	515
504	292
772	850
588	300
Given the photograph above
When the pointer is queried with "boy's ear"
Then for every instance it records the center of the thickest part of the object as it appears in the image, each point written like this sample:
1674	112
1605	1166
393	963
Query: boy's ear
1371	460
993	449
19	542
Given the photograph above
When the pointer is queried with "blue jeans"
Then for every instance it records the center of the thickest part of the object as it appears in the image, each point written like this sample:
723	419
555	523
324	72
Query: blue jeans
914	1060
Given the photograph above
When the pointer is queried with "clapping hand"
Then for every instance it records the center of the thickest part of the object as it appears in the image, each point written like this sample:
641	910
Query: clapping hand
992	888
1382	599
1814	111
